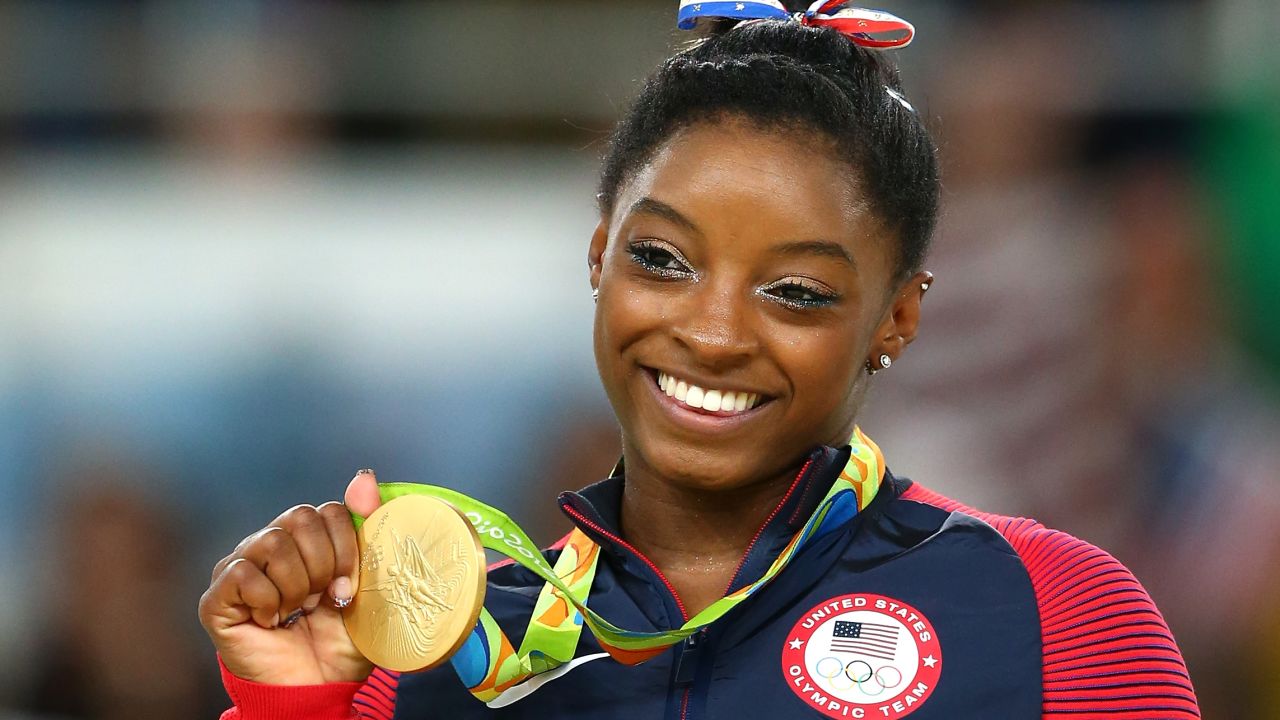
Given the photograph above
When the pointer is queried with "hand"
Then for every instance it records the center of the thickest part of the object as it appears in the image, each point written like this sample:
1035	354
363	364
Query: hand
273	607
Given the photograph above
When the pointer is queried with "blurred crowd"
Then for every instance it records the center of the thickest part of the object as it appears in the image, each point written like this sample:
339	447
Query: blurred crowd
249	247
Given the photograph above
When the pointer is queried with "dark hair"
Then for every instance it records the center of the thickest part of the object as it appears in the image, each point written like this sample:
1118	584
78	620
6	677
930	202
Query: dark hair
792	78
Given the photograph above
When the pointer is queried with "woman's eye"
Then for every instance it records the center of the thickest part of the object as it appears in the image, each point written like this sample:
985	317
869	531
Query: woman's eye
797	295
658	259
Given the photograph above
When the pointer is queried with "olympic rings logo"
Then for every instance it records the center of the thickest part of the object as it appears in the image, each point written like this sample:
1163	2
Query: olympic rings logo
857	672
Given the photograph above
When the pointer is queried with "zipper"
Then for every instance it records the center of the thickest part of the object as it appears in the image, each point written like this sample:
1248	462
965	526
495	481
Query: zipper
686	665
689	647
686	669
684	614
752	545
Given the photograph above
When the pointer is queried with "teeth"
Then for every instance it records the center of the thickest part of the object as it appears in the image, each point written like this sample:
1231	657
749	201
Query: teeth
695	396
710	400
727	402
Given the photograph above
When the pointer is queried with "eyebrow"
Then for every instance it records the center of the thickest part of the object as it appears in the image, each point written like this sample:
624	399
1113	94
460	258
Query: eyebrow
650	206
826	248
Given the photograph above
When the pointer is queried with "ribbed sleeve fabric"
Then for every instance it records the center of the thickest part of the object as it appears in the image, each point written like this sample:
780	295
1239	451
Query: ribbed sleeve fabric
377	699
255	701
1107	650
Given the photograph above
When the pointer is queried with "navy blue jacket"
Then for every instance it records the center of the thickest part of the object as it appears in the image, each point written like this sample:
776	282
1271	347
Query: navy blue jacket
916	607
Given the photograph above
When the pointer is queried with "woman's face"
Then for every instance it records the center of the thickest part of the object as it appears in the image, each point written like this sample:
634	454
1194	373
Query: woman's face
744	283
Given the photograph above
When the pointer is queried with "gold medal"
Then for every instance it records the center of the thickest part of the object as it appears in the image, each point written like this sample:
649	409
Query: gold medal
422	581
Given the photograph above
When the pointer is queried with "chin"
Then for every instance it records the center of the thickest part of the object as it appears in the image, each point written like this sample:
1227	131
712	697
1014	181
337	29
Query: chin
706	465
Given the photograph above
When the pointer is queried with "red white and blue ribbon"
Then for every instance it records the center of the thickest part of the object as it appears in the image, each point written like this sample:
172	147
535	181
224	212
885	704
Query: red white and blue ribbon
868	28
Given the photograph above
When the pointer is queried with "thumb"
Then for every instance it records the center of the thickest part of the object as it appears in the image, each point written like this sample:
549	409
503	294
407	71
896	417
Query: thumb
362	494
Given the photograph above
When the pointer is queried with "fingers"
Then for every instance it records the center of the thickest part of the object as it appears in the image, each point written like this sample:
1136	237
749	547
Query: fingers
346	552
362	494
277	555
310	534
240	593
274	573
289	565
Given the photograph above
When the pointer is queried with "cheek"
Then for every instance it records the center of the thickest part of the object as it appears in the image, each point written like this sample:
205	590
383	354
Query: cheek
823	364
626	316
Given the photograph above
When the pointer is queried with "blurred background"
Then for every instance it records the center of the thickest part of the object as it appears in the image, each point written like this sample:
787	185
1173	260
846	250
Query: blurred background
248	247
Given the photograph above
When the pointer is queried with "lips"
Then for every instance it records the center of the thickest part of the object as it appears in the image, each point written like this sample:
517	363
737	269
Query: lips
721	401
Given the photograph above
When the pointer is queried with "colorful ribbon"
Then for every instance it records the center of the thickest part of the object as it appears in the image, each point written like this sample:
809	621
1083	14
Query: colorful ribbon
488	664
868	28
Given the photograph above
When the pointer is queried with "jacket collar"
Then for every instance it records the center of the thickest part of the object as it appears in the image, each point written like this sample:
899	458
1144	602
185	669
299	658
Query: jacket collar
596	511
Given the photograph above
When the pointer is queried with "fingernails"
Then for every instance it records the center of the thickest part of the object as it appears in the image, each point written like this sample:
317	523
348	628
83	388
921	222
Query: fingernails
341	592
275	621
292	618
311	603
364	471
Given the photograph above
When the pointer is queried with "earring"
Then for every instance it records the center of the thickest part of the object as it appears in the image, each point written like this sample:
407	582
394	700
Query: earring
885	363
595	295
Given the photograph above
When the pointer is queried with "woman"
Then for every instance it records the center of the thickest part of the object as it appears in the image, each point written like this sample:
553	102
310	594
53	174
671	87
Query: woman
765	210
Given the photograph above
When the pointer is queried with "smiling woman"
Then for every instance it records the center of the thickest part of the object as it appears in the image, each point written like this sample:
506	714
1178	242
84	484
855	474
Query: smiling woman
765	210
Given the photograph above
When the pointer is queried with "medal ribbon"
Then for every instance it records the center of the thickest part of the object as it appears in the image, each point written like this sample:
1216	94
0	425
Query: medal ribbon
488	664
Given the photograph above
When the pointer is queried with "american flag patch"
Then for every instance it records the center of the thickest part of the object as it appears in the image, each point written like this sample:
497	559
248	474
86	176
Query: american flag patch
862	638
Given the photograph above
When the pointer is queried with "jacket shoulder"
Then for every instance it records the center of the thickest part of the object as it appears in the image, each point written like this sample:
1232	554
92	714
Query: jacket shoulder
1106	647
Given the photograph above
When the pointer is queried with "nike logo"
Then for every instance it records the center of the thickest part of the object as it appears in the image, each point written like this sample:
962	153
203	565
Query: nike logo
530	686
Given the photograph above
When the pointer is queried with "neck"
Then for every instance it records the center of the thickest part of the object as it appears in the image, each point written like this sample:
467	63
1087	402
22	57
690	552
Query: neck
697	538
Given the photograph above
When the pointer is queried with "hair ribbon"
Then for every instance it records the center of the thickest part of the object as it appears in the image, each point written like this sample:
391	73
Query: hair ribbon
874	29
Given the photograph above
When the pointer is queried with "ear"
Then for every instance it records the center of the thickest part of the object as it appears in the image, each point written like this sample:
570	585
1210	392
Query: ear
595	252
899	327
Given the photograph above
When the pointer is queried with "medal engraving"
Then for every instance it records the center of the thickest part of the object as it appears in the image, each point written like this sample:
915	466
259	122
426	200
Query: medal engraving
421	584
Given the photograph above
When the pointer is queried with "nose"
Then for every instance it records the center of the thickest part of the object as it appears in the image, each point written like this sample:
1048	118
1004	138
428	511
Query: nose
714	326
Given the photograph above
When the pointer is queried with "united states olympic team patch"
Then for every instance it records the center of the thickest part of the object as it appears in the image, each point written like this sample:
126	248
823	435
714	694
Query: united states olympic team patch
863	656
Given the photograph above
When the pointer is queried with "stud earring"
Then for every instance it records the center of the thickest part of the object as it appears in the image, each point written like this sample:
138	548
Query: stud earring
885	363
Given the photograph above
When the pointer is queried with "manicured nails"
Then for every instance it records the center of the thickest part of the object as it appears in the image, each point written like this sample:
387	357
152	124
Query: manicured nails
341	592
365	471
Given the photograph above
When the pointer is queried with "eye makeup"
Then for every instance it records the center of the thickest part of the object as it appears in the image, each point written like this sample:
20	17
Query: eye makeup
660	258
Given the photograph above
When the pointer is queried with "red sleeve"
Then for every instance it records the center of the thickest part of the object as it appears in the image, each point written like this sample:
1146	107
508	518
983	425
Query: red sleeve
373	699
1107	650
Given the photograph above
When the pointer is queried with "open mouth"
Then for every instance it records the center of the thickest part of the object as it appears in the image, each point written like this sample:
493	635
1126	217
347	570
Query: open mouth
711	401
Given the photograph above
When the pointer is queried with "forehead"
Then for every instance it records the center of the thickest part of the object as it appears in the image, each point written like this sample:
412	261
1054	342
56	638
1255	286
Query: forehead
735	178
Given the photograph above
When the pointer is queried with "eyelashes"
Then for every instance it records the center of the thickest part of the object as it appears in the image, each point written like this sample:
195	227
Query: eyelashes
665	261
800	294
659	259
